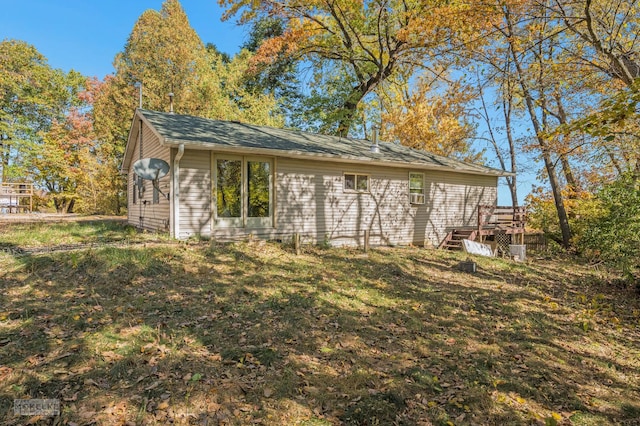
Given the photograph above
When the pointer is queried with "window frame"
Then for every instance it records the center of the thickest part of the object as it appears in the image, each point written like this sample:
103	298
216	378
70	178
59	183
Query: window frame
250	221
244	220
355	189
421	194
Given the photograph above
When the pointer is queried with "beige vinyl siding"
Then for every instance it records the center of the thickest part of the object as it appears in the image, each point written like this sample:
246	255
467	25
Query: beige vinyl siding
144	214
195	194
311	200
452	201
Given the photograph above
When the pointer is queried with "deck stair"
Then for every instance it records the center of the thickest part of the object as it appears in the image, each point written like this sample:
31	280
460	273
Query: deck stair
453	240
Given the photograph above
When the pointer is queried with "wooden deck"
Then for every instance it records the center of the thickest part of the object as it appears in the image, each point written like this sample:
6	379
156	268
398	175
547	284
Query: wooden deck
16	197
492	221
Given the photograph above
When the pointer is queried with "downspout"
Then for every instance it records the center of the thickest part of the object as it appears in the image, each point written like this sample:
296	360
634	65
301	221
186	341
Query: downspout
176	191
138	182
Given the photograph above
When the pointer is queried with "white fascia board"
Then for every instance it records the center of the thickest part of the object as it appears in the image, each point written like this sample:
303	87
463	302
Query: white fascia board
128	150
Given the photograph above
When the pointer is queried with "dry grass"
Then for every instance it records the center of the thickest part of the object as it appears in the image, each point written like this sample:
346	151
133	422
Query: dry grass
250	333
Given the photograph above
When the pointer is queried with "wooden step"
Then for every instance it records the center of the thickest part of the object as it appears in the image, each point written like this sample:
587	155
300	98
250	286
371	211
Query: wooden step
453	240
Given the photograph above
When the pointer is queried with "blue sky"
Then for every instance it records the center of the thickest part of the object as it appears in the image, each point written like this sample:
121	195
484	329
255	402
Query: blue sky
85	35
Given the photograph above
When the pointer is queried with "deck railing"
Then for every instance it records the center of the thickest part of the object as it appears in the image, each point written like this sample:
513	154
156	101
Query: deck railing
494	220
16	197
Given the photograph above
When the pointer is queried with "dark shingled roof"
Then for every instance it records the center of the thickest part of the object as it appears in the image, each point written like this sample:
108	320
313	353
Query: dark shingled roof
248	138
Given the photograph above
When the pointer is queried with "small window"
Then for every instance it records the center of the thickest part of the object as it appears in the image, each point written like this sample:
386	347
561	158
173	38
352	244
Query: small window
356	182
416	188
135	192
140	187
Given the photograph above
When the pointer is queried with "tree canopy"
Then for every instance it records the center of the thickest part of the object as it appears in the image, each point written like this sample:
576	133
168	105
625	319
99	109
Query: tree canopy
364	44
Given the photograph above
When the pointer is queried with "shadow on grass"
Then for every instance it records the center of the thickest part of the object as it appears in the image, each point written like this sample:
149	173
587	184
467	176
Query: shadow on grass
242	333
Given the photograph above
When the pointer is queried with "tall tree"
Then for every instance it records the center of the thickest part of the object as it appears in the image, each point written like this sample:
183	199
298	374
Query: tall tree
71	163
279	76
606	34
165	55
504	102
432	118
606	42
32	96
366	42
525	41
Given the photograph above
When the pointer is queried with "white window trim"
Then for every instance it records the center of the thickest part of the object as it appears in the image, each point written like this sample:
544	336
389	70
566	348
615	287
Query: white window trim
356	190
414	197
244	221
226	222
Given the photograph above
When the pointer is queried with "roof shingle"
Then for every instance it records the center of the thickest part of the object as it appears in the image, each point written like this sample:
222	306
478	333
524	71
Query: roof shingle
205	133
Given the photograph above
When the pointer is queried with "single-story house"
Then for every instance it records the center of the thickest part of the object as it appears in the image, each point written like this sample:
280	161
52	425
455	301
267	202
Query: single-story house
230	180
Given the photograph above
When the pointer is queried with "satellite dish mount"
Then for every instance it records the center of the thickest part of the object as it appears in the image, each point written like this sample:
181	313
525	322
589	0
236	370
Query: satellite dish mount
152	169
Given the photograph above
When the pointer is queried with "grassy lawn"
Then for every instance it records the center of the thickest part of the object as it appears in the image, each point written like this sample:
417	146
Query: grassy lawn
250	333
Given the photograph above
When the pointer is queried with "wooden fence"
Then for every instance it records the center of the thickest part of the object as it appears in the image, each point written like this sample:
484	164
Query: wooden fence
536	242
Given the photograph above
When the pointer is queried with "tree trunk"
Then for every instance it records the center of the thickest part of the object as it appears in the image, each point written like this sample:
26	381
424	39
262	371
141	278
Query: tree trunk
563	220
59	204
564	159
506	106
116	186
513	187
366	85
4	157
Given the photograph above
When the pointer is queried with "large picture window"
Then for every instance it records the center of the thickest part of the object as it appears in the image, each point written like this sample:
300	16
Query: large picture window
243	192
229	188
259	194
416	188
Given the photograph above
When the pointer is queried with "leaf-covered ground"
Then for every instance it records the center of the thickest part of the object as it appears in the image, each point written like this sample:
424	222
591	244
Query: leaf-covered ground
250	333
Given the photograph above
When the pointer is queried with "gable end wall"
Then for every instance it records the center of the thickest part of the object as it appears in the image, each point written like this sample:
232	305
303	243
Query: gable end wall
144	214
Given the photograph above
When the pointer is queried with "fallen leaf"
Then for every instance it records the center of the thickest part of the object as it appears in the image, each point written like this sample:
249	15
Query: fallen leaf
110	356
73	397
153	385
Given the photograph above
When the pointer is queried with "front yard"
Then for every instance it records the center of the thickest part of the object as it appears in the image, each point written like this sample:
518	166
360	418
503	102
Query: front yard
139	329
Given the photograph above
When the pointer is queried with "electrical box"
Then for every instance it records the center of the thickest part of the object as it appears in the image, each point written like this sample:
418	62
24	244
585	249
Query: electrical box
518	252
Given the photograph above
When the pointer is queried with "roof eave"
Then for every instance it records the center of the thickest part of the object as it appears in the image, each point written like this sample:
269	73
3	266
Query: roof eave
128	153
128	149
333	158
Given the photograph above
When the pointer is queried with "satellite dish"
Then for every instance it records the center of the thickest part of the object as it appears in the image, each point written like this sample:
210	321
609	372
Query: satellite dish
151	168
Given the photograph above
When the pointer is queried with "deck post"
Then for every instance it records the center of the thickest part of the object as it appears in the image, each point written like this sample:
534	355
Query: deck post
366	240
296	243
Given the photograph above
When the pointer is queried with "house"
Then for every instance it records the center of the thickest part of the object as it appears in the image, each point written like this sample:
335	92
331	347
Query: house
231	180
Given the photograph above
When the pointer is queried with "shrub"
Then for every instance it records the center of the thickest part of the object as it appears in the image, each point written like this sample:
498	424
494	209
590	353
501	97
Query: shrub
613	235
